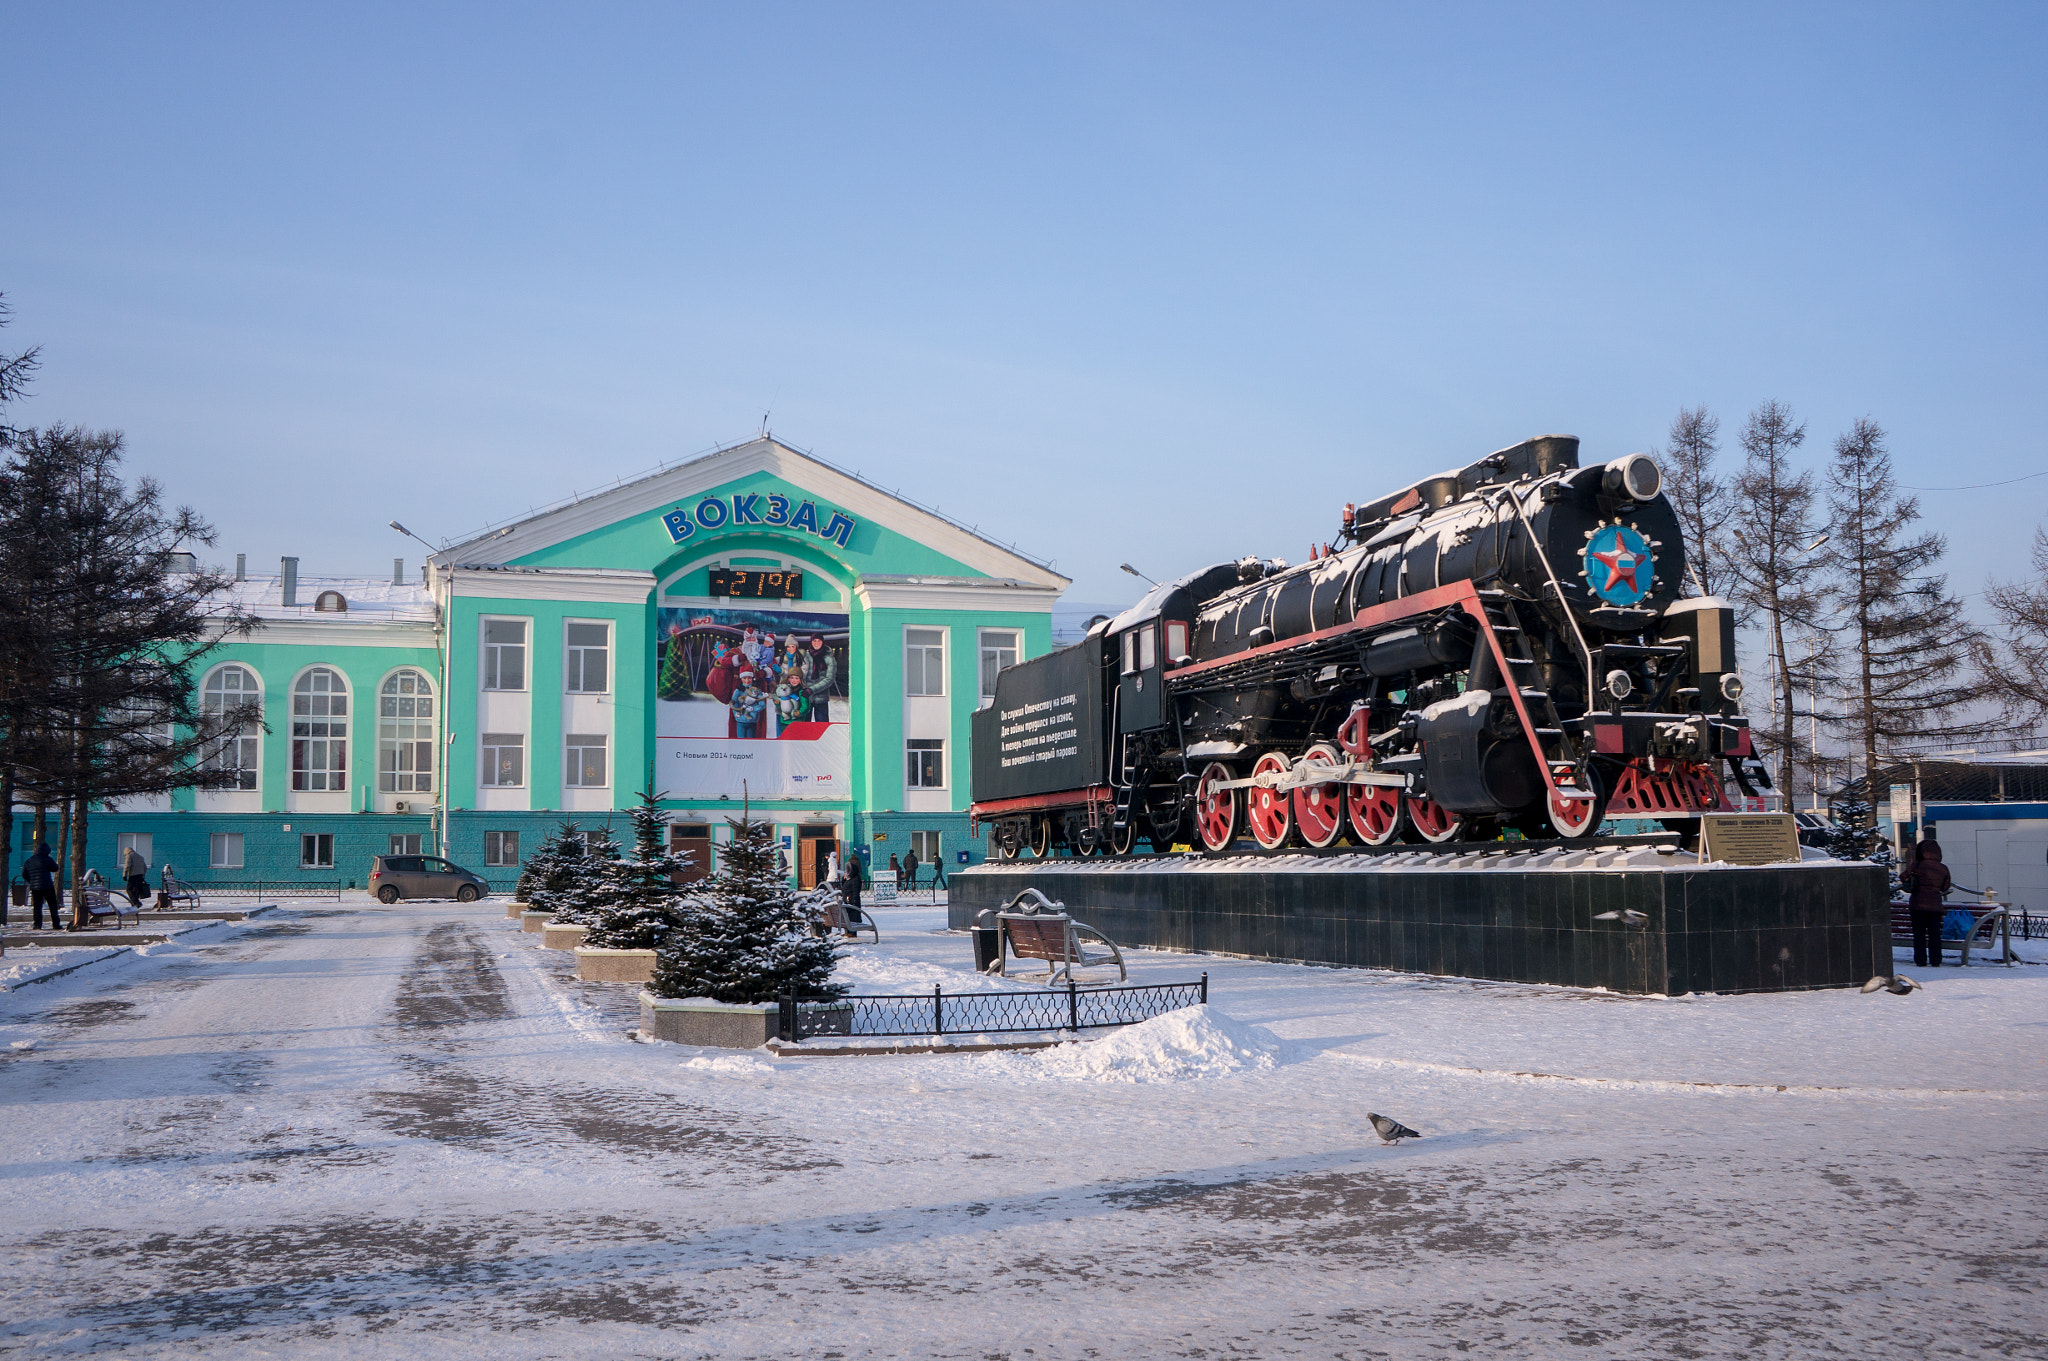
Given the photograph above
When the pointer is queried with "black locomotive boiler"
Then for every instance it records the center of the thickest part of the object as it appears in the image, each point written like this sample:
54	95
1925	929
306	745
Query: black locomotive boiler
1505	645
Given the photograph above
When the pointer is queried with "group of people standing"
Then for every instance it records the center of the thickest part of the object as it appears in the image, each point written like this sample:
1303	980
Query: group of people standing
905	872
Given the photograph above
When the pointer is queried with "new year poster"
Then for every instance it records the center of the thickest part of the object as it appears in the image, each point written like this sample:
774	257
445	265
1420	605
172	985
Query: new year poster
753	701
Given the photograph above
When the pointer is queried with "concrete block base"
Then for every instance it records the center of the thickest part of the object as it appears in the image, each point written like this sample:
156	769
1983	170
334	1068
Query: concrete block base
698	1020
595	965
534	921
514	909
561	937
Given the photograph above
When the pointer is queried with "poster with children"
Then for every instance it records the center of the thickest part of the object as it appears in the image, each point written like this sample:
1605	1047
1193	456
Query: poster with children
752	699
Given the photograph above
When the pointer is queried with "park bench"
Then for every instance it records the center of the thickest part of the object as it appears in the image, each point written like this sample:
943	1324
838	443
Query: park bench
829	915
1037	928
1991	933
100	901
176	893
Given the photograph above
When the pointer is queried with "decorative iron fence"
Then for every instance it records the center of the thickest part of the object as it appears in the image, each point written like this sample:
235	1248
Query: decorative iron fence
976	1013
265	888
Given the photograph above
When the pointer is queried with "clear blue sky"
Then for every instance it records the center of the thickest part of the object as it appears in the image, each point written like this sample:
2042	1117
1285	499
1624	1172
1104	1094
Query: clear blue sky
1150	283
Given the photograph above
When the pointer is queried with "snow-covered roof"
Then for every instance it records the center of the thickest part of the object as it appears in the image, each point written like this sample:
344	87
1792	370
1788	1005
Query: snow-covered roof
370	600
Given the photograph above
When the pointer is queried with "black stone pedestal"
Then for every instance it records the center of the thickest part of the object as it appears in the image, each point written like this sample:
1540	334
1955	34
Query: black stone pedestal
1707	928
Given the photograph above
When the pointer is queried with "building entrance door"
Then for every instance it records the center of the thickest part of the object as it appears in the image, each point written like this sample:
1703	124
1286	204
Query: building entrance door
817	845
694	840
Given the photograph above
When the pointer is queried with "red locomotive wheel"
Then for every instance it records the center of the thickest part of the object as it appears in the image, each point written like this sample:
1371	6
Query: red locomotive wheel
1375	813
1574	818
1319	808
1270	812
1433	822
1215	809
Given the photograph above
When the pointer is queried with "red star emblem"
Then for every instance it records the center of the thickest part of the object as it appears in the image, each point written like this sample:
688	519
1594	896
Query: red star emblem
1621	565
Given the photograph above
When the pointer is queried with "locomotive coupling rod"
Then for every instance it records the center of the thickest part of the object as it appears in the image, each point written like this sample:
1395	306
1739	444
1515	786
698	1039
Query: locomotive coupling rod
1302	776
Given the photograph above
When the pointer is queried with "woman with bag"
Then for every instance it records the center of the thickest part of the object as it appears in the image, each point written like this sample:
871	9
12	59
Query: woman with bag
1926	883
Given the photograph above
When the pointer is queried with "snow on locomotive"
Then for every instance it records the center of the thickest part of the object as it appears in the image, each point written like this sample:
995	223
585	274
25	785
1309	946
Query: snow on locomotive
1505	645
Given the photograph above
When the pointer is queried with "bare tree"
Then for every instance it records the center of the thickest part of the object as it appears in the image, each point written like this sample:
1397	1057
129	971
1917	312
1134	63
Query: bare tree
1700	498
1768	562
1909	644
2014	666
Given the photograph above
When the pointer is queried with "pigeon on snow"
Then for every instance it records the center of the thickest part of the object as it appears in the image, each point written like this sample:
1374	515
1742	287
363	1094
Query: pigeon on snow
1896	984
1390	1131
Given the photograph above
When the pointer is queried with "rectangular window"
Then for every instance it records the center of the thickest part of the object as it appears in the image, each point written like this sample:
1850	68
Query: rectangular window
501	849
138	841
999	648
504	759
588	670
504	654
1148	648
926	768
405	843
584	767
316	850
1176	641
1130	666
224	851
925	845
924	661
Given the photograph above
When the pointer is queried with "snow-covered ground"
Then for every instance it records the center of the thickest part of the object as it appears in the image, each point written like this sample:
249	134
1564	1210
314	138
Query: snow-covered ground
350	1130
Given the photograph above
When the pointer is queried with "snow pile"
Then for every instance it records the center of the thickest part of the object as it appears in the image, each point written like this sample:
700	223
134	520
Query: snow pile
729	1065
1194	1042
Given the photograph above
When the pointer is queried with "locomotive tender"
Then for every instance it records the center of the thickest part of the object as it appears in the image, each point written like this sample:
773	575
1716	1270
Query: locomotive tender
1505	645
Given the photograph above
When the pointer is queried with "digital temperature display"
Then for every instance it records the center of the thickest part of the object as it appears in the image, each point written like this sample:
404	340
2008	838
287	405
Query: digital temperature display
754	584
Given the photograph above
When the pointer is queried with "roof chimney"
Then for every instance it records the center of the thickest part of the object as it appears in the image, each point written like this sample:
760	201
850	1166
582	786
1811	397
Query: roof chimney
241	567
398	571
288	569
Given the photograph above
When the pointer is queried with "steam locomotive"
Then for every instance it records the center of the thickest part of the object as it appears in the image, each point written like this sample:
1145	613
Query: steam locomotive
1506	645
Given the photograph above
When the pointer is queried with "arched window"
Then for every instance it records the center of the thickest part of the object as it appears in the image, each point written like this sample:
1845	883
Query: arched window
241	752
405	734
320	731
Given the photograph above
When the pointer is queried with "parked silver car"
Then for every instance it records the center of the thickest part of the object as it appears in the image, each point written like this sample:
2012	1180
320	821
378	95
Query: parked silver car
423	876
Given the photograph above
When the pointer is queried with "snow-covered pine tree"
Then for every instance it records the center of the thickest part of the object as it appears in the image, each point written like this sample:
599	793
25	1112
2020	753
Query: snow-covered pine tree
744	940
646	904
549	868
583	900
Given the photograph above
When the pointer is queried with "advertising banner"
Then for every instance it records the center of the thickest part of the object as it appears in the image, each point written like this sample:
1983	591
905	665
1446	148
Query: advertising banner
752	702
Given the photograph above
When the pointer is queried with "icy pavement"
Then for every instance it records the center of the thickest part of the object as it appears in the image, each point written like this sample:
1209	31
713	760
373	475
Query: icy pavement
356	1131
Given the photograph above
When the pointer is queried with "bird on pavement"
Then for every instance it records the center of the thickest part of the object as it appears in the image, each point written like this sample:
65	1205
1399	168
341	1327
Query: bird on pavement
1390	1131
1627	916
1896	984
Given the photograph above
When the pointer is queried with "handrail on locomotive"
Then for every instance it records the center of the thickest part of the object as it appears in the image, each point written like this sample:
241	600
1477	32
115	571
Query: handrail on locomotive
1501	646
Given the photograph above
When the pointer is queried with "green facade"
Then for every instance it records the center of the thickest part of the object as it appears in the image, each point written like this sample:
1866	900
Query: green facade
615	559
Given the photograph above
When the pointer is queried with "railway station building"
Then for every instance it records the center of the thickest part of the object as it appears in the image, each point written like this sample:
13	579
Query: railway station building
750	627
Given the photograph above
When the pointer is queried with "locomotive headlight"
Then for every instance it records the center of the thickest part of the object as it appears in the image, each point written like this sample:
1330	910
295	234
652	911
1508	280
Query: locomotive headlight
1636	476
1731	687
1620	684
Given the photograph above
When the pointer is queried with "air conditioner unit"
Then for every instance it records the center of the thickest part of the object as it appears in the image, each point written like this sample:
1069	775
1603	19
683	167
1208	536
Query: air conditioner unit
401	807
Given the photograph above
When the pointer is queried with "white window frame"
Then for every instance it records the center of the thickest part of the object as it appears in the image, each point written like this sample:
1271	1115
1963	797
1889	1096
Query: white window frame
315	715
407	843
922	842
576	658
405	742
489	763
494	850
914	749
575	747
494	654
224	851
918	663
242	753
312	845
992	648
143	842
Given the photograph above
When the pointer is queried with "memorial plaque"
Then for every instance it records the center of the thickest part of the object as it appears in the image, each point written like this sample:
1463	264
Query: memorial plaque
1749	838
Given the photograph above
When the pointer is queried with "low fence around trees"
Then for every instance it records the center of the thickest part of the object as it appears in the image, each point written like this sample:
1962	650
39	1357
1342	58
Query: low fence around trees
935	1013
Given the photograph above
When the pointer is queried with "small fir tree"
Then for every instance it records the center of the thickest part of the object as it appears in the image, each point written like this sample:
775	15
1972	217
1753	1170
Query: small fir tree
745	940
646	904
1700	498
590	886
549	868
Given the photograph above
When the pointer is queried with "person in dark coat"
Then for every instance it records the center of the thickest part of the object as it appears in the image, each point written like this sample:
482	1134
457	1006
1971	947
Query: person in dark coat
853	878
895	871
135	877
910	863
1926	883
39	872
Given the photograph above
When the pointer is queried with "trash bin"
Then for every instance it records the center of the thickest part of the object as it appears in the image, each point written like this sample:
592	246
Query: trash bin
18	893
988	940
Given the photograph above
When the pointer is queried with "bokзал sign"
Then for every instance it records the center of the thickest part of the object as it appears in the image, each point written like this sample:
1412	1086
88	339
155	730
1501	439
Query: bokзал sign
758	508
